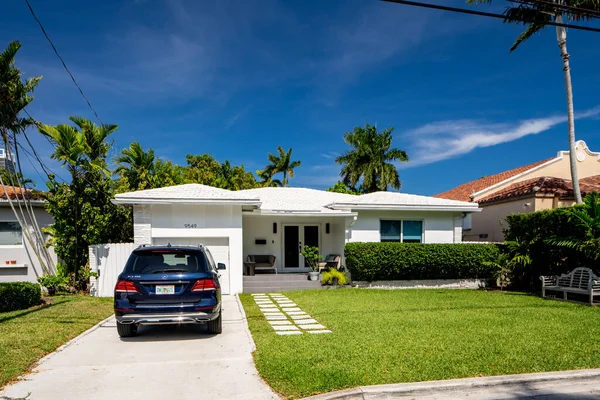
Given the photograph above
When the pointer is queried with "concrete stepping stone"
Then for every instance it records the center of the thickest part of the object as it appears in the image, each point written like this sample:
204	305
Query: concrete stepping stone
258	294
269	309
296	317
276	317
285	327
306	321
282	305
285	333
309	327
286	322
295	312
275	294
321	331
274	313
291	309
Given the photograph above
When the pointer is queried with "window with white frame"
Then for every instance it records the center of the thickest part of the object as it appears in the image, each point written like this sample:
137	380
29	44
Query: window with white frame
10	233
406	231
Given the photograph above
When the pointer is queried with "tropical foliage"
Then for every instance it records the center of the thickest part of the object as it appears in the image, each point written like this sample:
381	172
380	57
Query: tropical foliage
280	163
370	161
341	187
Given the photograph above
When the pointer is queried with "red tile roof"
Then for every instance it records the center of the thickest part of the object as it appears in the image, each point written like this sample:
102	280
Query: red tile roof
545	184
13	193
464	191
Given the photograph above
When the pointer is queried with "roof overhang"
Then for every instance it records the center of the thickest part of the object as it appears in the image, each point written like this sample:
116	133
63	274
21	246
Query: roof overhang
209	202
300	213
407	207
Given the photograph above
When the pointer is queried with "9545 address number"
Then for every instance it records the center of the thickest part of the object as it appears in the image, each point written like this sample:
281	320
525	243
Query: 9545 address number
190	225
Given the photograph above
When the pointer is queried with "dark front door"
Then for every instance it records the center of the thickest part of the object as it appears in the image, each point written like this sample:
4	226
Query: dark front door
291	246
311	238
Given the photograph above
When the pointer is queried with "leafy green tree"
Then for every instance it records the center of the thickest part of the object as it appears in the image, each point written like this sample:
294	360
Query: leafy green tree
282	163
539	14
370	159
82	209
203	169
235	178
341	187
166	174
8	178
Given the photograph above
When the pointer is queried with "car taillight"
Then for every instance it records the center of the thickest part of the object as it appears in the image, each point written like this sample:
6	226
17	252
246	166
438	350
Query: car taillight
205	284
126	287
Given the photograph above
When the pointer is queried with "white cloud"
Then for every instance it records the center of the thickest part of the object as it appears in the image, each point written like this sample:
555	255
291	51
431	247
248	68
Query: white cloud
442	140
330	155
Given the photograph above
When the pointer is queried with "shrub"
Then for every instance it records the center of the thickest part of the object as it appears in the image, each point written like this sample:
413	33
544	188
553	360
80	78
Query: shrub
312	257
327	278
405	261
53	283
19	295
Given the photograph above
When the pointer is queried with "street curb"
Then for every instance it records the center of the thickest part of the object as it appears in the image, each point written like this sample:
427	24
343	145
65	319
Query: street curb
421	388
245	320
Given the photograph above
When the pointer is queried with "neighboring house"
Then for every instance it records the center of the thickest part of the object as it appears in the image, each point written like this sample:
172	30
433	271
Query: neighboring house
7	160
542	185
18	261
281	221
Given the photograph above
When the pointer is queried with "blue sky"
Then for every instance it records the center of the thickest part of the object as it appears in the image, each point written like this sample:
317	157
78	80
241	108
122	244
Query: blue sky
237	78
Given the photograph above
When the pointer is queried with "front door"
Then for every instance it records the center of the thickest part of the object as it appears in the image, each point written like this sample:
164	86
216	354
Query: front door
295	237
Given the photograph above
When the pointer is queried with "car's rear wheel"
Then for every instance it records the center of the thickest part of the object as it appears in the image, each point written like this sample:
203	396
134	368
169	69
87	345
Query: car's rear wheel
126	330
216	325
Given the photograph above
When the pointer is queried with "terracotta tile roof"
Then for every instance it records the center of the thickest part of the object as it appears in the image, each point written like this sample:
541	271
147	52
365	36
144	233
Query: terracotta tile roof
13	193
464	191
545	184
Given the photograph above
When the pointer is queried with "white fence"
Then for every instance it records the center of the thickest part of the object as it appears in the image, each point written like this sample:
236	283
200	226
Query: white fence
108	260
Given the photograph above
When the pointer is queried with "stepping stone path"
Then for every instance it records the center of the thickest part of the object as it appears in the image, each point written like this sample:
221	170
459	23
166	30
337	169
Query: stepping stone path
285	317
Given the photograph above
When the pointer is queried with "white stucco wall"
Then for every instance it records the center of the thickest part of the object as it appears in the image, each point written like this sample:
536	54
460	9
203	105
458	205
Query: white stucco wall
261	227
169	221
438	227
23	254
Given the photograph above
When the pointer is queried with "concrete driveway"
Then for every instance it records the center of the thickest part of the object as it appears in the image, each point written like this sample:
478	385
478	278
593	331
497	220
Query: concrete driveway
162	362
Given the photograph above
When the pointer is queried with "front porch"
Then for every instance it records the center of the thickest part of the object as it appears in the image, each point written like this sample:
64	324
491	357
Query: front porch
284	236
269	283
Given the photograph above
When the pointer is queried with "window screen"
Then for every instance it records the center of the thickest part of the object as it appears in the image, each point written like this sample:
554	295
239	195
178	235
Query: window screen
11	233
412	231
389	231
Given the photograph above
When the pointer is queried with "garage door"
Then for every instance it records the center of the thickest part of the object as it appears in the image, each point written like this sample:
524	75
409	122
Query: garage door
219	248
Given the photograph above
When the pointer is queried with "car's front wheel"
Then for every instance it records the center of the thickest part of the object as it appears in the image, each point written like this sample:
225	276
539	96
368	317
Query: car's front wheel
126	330
216	325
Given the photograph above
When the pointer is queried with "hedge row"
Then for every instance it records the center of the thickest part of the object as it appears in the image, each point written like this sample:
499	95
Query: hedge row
19	295
404	261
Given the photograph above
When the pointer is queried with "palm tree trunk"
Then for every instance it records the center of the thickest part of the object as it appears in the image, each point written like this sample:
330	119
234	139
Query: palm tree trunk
561	36
284	178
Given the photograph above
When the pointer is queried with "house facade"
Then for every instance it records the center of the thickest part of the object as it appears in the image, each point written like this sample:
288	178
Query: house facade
543	185
19	259
281	221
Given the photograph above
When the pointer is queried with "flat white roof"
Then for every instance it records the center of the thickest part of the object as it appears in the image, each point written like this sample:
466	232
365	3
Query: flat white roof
192	193
403	201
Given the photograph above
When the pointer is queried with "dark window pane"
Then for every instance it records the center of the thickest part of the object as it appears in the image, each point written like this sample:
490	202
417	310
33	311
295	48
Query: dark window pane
412	231
389	231
10	234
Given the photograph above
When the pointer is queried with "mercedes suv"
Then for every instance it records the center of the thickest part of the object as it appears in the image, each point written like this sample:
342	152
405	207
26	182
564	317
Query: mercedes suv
168	285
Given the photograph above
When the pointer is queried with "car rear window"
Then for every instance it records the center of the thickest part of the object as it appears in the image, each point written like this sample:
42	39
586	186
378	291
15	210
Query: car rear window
165	261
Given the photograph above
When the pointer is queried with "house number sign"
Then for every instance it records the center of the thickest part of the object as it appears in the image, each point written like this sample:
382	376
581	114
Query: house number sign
190	225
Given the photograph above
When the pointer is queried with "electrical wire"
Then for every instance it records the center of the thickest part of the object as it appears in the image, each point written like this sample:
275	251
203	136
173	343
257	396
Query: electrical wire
486	14
62	61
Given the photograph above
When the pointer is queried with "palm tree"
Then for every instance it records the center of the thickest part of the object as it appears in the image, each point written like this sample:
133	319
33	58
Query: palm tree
267	179
538	14
587	219
370	159
282	163
137	166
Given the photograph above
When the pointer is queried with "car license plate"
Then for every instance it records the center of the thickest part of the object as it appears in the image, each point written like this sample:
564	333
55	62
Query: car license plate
165	289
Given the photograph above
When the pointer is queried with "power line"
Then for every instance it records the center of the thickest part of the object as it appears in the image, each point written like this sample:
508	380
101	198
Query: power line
486	14
62	61
561	7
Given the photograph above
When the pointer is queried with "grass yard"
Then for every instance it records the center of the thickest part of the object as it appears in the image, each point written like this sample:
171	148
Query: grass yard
28	335
390	336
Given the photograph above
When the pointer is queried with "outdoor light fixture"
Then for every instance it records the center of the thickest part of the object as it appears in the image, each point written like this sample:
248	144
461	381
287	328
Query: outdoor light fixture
274	227
327	228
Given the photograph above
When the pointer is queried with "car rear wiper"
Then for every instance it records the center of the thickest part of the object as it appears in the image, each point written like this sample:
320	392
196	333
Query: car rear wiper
170	270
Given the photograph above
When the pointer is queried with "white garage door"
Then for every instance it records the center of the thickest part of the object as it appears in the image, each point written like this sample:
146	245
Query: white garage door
219	248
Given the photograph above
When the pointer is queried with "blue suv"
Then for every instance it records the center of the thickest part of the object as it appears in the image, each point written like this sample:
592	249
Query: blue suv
168	285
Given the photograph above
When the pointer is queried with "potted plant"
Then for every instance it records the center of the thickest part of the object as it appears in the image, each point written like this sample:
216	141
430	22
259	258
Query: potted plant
312	257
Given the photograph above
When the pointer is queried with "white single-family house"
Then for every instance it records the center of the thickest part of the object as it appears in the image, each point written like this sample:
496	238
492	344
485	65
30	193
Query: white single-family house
280	221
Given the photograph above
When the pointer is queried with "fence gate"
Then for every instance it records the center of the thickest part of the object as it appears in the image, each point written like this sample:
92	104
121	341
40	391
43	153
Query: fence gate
108	260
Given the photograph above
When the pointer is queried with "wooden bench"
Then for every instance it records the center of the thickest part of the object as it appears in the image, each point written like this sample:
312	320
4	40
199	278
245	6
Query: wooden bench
580	281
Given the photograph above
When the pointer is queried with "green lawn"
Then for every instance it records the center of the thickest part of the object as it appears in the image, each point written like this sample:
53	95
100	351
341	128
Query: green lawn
28	335
389	336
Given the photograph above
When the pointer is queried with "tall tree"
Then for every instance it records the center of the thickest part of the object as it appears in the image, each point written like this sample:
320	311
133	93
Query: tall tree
281	163
82	209
370	159
267	179
539	13
136	166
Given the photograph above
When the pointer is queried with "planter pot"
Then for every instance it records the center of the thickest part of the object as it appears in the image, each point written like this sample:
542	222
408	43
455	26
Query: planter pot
334	281
313	276
51	291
